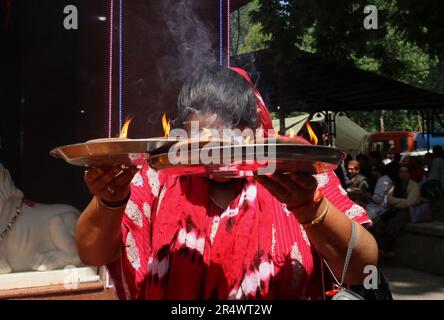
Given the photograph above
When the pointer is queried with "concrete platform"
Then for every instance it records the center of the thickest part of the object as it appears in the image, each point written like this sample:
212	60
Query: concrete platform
421	247
408	284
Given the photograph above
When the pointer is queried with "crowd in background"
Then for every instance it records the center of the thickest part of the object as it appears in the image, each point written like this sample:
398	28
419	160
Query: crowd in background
394	192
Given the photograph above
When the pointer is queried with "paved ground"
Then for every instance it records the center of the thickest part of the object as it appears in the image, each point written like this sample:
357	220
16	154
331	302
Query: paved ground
408	284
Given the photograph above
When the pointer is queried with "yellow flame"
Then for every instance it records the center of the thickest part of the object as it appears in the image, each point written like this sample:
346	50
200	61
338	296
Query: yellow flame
206	133
166	125
292	134
124	130
313	137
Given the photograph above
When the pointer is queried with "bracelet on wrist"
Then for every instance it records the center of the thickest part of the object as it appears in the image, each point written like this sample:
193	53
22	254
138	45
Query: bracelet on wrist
319	219
114	205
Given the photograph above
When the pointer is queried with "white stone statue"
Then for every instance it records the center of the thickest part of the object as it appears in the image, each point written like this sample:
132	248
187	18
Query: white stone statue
41	237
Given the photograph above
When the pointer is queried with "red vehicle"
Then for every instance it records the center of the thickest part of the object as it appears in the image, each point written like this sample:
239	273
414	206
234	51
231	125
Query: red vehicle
391	142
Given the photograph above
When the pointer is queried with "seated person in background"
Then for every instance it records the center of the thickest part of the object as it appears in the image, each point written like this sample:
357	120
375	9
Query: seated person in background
403	195
374	158
377	203
358	185
416	168
364	165
428	160
392	168
437	170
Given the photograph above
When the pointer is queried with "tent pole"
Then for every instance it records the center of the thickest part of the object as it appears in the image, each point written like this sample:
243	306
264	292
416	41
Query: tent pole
428	129
281	100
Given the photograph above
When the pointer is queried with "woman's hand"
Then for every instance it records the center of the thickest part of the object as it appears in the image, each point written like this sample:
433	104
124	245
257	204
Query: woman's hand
111	184
296	190
98	232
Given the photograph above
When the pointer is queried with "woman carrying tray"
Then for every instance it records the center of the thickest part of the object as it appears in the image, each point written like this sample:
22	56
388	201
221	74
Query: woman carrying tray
261	237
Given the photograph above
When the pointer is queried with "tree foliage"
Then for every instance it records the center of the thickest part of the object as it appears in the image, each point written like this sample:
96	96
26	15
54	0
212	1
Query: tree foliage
407	46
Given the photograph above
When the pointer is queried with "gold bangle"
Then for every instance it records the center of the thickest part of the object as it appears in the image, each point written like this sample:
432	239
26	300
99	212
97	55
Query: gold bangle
318	219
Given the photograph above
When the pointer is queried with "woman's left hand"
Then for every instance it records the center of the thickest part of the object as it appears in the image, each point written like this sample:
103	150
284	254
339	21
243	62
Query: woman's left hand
293	189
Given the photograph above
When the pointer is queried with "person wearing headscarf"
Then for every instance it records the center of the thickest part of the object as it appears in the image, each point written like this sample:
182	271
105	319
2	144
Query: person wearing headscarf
188	237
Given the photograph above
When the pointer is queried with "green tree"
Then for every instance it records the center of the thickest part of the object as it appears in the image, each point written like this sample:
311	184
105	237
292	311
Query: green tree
407	46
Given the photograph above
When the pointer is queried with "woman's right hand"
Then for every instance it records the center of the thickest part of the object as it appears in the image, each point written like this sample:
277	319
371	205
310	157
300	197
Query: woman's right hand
110	183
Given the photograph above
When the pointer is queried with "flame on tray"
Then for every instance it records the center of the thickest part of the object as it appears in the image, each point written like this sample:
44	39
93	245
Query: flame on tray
124	130
206	134
166	125
313	138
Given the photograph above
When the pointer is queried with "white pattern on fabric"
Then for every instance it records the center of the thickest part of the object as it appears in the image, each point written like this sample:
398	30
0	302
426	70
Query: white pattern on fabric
252	281
162	194
251	193
133	212
250	284
132	252
158	267
273	240
190	240
286	211
342	190
181	237
147	211
200	245
295	254
137	180
124	283
153	180
214	226
304	236
235	294
355	211
266	270
229	212
322	179
296	265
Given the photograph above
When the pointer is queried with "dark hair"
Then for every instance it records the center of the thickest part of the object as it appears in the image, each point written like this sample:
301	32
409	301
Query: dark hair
375	155
221	91
403	166
362	158
438	152
380	167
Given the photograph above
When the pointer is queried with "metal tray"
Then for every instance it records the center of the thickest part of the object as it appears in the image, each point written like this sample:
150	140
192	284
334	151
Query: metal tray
243	160
111	151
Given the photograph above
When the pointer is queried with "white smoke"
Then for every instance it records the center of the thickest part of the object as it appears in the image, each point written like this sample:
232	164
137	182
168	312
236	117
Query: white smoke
192	39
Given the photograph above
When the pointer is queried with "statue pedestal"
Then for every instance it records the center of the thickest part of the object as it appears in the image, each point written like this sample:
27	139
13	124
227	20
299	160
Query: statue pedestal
76	283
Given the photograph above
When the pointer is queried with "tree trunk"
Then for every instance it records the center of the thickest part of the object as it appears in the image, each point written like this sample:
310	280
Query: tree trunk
381	121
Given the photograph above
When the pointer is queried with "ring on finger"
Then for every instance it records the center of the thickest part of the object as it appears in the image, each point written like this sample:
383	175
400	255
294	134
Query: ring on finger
111	190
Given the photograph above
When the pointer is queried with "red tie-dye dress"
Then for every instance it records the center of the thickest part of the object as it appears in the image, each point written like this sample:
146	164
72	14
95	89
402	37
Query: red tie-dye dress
177	244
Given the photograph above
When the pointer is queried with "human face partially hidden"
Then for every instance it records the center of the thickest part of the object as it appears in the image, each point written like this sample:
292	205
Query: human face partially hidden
404	174
209	121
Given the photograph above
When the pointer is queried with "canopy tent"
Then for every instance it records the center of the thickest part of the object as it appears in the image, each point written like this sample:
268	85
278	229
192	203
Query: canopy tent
312	83
348	134
292	124
307	82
